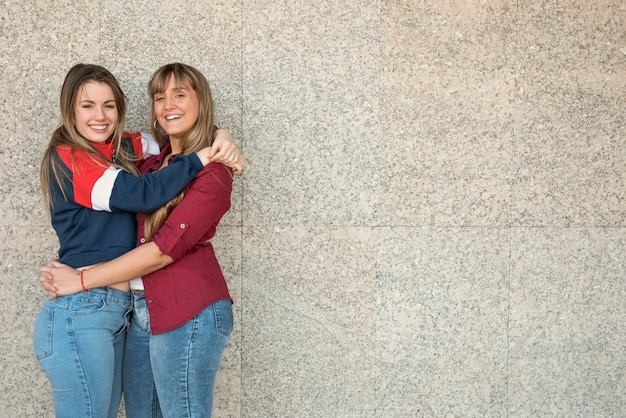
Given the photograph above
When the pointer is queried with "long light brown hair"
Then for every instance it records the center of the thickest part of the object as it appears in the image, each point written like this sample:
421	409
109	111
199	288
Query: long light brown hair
67	134
199	136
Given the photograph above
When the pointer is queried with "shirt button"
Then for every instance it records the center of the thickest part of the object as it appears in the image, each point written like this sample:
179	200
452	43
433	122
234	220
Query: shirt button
182	226
149	300
143	240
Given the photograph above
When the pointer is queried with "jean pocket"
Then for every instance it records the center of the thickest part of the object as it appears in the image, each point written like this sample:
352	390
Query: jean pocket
223	311
85	304
42	335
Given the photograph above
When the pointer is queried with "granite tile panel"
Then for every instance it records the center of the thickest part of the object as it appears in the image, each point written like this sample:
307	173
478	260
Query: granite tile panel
22	201
570	103
432	219
205	34
308	322
227	396
446	100
25	391
311	107
36	47
441	322
567	339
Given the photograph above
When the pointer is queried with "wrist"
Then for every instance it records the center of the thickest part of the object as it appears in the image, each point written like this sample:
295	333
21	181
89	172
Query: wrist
82	280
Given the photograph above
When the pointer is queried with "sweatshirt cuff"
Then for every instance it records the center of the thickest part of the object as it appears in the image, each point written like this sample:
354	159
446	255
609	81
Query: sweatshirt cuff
195	160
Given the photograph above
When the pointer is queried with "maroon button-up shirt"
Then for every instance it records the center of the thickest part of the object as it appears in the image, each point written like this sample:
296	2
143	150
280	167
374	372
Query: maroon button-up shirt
178	292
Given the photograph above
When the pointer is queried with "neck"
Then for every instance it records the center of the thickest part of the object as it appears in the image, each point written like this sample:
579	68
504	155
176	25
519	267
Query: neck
176	145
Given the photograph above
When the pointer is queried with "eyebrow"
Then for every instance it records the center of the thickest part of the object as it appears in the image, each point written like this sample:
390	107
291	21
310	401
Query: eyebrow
179	88
91	101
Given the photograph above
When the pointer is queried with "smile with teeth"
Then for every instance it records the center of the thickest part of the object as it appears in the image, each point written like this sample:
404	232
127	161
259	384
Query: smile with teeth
98	127
173	117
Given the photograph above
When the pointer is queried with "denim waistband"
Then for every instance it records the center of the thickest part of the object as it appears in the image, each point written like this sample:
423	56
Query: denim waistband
111	295
137	295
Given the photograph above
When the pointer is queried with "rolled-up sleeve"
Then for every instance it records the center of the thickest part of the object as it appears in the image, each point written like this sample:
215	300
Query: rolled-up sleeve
194	220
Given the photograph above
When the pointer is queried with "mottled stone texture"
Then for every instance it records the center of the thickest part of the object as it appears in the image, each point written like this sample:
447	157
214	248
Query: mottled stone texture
432	223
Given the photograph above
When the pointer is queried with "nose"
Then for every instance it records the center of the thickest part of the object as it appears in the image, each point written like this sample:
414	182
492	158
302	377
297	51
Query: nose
169	103
100	113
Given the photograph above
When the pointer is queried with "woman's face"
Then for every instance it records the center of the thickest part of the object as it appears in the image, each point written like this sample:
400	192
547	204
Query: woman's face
176	108
96	111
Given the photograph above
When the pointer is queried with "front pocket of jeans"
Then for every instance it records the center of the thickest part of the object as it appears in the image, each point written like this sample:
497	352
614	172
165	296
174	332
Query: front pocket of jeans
84	305
42	335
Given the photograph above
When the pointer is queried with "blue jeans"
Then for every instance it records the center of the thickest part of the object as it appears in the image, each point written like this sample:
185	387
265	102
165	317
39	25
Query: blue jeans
79	343
173	374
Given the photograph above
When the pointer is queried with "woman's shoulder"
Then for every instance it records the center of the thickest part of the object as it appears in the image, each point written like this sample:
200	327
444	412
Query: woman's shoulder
143	143
69	151
219	169
216	173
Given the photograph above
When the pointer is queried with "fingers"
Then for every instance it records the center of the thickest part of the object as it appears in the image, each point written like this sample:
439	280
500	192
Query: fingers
45	272
239	166
48	268
223	147
231	159
49	286
224	155
46	277
214	150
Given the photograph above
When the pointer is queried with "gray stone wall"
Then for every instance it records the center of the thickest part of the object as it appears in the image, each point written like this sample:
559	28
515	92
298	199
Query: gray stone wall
432	223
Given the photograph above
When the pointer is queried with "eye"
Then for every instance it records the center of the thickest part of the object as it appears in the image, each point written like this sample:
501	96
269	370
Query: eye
110	106
158	98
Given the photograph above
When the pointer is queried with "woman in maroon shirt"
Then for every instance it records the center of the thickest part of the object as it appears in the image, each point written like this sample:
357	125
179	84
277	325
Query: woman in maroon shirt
182	316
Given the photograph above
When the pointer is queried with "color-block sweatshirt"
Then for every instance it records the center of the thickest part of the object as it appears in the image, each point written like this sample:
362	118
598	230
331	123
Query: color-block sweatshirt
97	221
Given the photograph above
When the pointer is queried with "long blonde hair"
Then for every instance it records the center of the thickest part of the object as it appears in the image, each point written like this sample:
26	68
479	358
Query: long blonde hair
67	134
199	136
